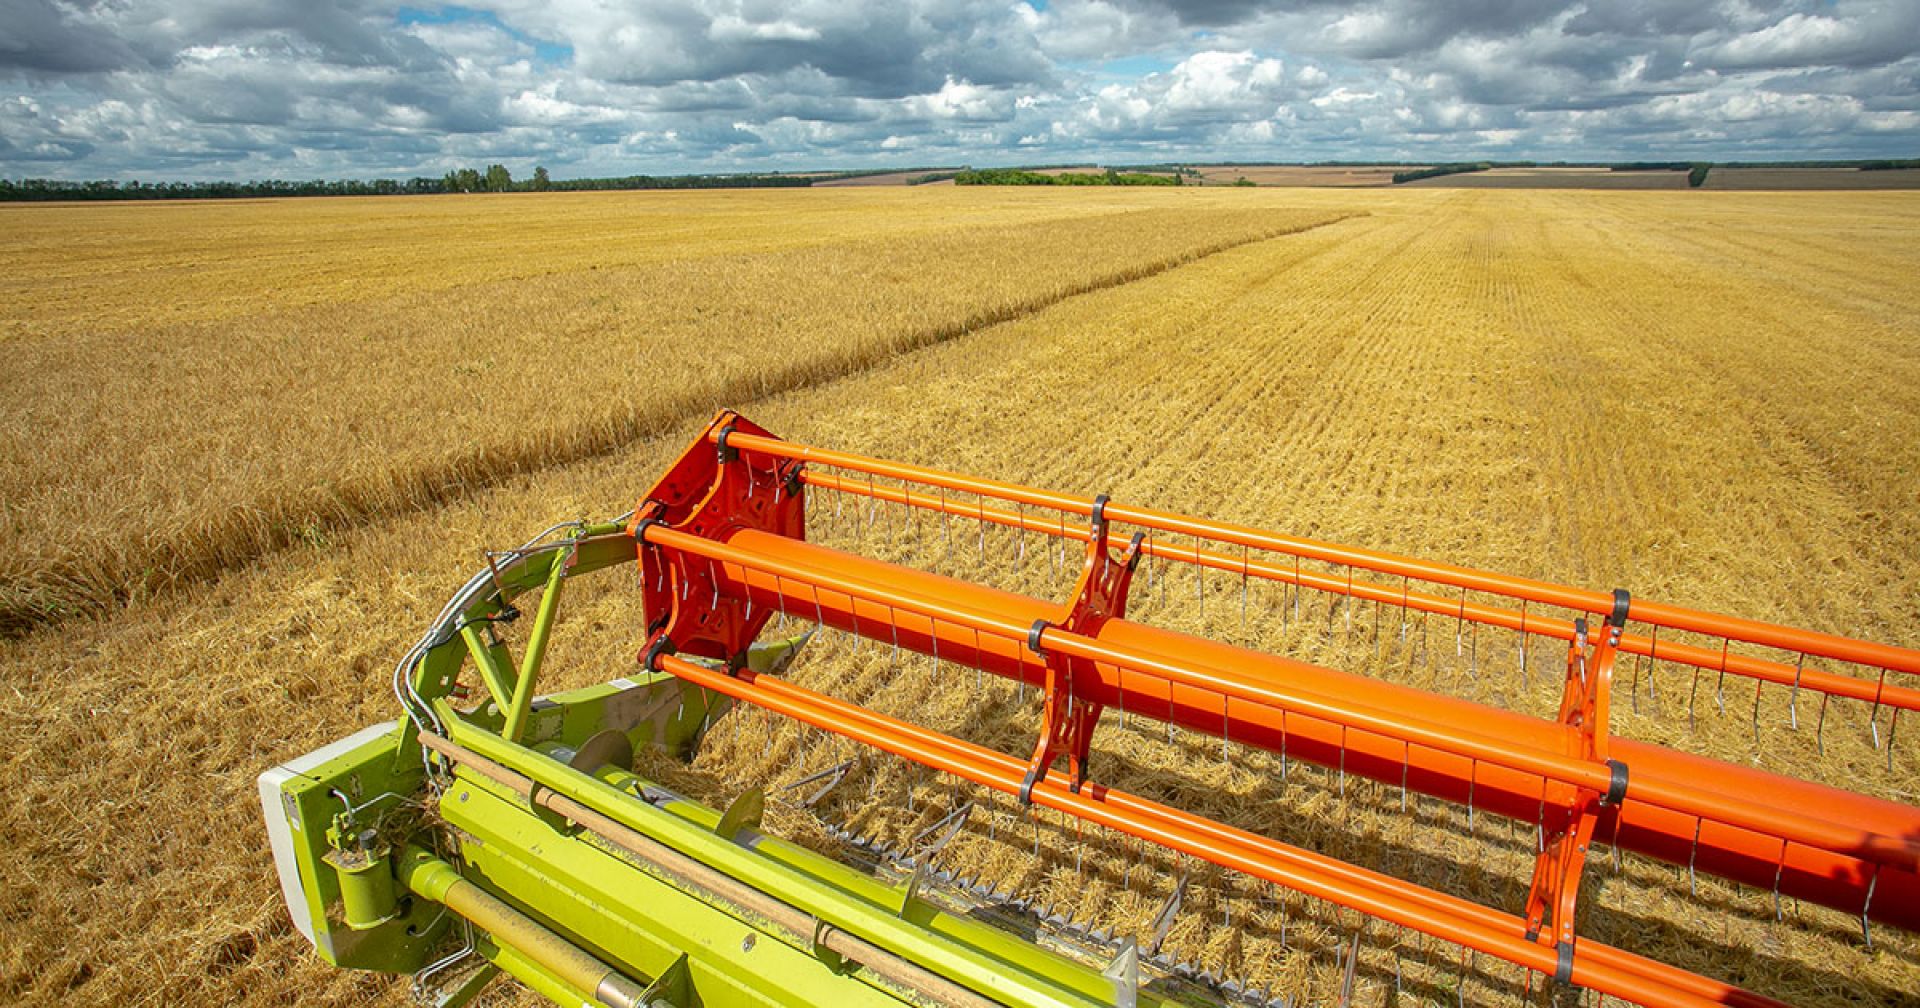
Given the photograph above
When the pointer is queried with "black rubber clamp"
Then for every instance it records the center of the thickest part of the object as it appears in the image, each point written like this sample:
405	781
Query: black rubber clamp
1616	784
1033	637
661	645
1100	510
1622	601
1563	962
791	476
727	452
1026	785
1580	629
1133	549
640	528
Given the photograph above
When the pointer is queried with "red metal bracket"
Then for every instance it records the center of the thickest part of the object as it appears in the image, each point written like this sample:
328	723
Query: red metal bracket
1068	718
712	492
1567	824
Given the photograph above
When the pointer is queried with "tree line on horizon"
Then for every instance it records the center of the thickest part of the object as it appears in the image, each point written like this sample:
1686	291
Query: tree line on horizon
496	178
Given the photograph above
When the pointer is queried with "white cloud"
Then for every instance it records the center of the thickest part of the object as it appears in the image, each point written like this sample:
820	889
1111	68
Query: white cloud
212	88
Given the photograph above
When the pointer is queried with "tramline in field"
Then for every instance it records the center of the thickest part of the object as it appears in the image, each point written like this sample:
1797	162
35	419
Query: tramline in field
510	827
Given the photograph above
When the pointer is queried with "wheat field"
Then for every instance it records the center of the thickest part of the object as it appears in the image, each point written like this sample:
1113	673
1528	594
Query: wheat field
207	396
1708	397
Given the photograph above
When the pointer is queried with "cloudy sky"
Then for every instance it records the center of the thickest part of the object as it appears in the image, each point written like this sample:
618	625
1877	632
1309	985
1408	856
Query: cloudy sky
166	89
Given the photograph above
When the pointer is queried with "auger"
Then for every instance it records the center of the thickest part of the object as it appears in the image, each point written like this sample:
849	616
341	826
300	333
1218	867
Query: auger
494	829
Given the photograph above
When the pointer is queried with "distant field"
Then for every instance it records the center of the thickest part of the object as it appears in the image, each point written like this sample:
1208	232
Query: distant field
1303	175
1556	178
888	179
1714	401
1718	178
1812	178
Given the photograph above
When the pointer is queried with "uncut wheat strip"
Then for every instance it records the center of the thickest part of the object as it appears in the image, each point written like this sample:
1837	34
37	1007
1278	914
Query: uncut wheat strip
206	490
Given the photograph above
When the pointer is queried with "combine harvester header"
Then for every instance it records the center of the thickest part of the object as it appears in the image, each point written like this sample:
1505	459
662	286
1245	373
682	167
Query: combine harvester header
510	833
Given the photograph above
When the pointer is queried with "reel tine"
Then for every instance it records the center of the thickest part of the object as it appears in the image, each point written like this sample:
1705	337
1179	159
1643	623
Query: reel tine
1199	580
1352	958
1720	684
1296	593
1893	725
1693	856
1653	665
1873	716
1793	699
1693	695
1162	921
1526	674
1243	593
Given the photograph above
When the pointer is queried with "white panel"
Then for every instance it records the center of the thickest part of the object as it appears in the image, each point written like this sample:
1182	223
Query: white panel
281	825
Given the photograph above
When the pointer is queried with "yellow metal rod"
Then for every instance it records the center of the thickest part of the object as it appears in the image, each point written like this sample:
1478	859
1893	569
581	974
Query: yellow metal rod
436	880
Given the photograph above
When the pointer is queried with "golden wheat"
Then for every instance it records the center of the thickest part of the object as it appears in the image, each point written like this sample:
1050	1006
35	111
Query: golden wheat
1709	400
184	410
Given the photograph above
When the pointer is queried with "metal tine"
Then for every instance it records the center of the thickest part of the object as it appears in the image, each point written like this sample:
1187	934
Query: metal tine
833	775
1243	594
980	506
1653	665
1296	592
1693	855
1406	591
913	524
1526	674
1866	928
1199	579
1399	939
1720	684
1779	867
946	529
942	830
1893	725
1162	922
1473	779
1347	600
1285	765
1352	964
1343	762
1873	716
1406	759
1634	694
1460	626
1793	698
1756	709
1820	726
1226	724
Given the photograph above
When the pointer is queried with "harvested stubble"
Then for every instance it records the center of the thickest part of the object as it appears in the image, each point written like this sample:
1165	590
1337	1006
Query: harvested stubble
1708	402
195	433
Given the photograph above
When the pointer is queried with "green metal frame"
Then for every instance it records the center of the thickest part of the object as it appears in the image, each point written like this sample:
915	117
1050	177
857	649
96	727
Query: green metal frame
693	946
